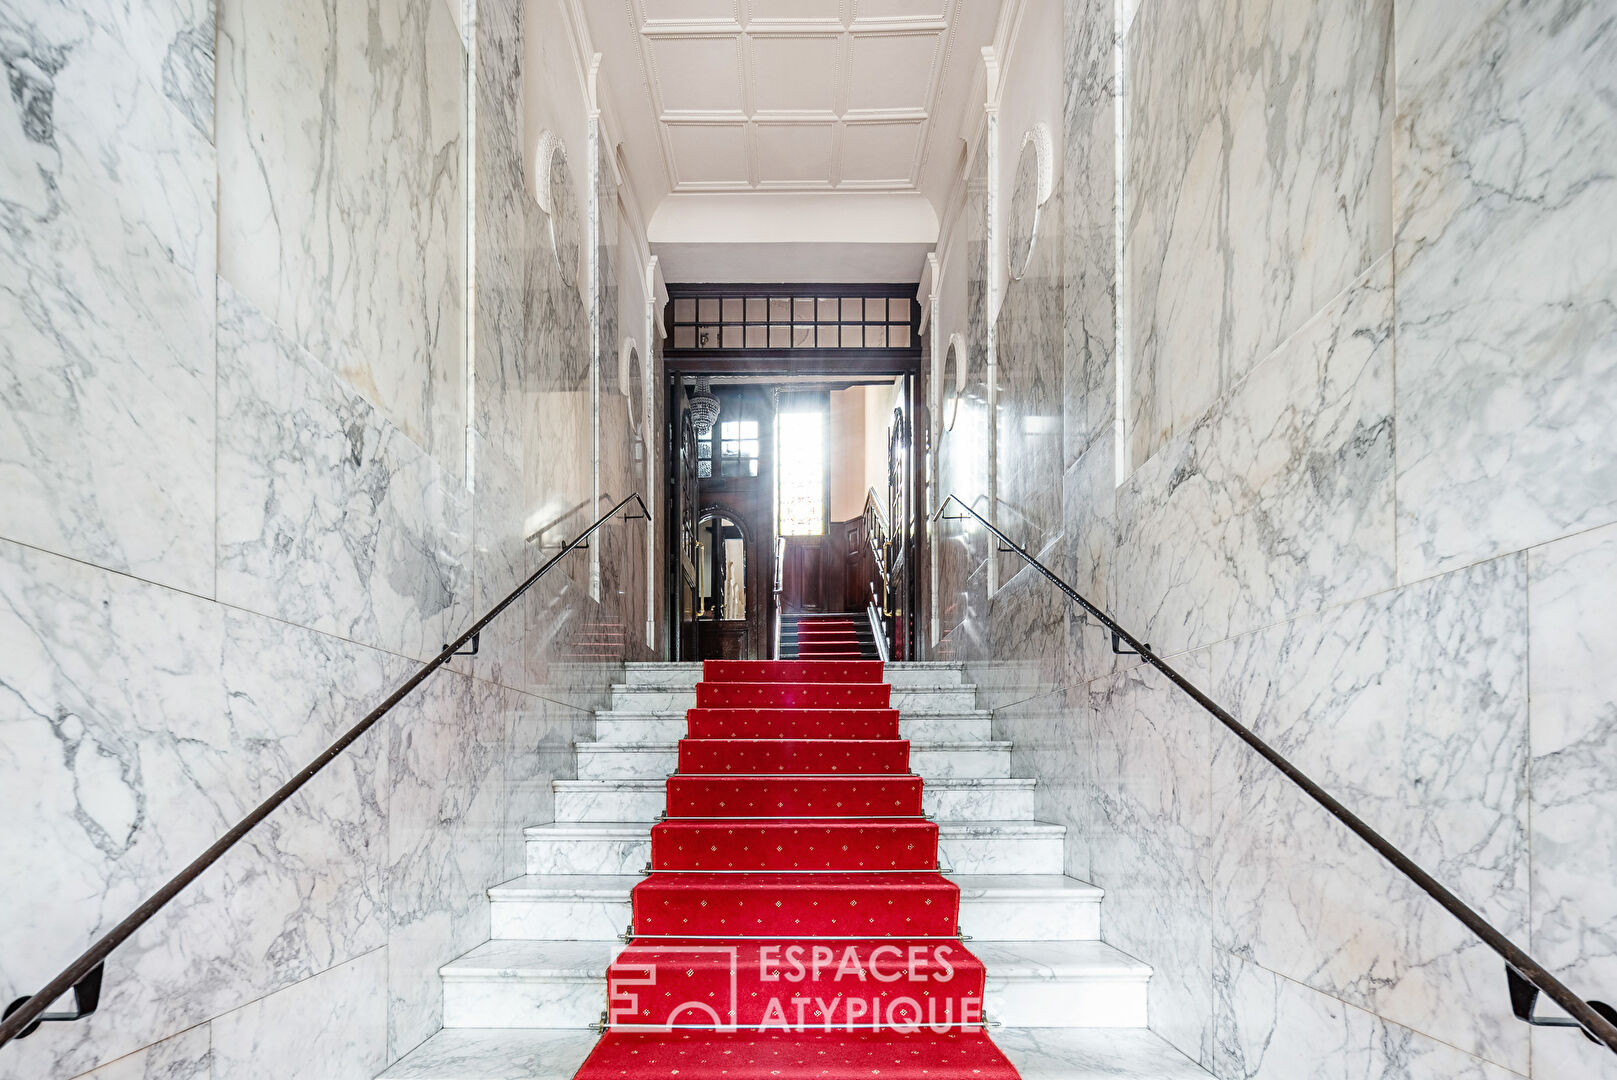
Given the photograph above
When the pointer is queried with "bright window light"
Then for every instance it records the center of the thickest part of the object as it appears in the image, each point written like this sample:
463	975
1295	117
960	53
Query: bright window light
801	473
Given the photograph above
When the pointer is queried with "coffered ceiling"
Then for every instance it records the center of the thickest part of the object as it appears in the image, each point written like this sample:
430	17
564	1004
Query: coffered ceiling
792	95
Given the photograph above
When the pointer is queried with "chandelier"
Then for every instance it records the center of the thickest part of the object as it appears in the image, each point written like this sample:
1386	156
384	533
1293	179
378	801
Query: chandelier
704	408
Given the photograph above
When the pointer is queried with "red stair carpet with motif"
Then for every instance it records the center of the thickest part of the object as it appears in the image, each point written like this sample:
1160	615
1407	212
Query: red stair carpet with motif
794	923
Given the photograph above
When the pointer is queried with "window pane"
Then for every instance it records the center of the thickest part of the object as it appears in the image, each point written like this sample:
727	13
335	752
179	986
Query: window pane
704	448
685	310
803	337
684	337
757	309
898	309
899	336
875	337
757	337
803	310
749	429
853	309
709	308
780	337
853	337
733	309
749	448
707	337
828	337
729	429
732	337
802	474
752	467
780	309
704	470
827	311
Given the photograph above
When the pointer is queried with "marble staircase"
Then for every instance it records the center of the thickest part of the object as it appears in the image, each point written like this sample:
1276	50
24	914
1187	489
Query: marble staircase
1070	1005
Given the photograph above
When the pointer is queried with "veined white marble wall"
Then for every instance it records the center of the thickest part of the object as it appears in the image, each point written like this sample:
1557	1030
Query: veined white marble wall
1365	313
235	510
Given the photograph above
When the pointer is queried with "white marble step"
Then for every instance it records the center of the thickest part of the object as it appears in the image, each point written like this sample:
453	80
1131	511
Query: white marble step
657	761
596	907
670	701
947	799
1037	1053
903	673
640	728
559	984
975	847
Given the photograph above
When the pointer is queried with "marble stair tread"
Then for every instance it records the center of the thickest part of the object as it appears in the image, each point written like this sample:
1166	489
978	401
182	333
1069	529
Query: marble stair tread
595	746
556	1054
504	960
676	676
641	830
1094	1054
614	887
496	1054
1030	888
522	959
1057	961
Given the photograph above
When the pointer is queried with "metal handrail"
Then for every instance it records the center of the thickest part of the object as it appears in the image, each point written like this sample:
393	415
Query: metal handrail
1525	976
83	976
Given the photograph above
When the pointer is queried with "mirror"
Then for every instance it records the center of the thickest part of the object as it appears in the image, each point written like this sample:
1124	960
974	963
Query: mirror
1030	190
722	584
632	383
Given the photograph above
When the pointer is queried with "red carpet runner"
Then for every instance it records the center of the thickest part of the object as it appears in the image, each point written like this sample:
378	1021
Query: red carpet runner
794	923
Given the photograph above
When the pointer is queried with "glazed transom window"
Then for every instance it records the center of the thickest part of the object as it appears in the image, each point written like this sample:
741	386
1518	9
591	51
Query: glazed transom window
793	322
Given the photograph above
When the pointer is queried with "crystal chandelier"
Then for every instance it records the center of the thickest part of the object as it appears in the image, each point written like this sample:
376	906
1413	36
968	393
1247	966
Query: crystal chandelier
704	408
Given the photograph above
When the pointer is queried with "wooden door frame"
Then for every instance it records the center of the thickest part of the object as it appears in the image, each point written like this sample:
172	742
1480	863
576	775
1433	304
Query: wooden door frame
679	365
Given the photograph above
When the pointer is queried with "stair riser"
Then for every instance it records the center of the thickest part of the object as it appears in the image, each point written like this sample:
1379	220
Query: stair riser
685	678
963	855
619	805
585	856
562	1002
1002	855
524	1003
1066	1002
944	804
600	763
603	920
640	730
669	702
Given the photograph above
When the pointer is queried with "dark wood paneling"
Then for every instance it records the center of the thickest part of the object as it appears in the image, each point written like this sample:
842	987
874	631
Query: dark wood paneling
828	573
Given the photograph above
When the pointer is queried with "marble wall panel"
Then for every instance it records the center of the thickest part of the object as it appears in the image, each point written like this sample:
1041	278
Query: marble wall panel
186	1056
1029	372
328	516
1253	195
1270	1028
333	1026
502	559
538	750
342	212
446	841
1280	499
1149	849
1410	707
145	723
1089	226
107	245
1507	326
1572	625
1052	742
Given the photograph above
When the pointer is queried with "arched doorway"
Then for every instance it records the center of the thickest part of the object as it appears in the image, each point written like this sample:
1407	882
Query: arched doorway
730	601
